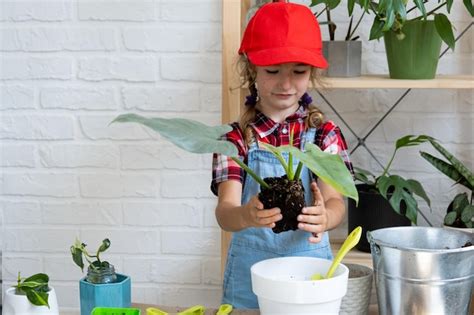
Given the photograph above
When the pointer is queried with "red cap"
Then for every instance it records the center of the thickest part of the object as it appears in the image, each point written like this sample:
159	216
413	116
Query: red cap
282	32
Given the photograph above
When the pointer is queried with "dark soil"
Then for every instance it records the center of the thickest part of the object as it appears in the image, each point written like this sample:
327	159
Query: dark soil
467	244
286	195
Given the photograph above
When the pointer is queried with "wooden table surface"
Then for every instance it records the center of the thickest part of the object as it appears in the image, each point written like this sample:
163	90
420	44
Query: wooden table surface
213	311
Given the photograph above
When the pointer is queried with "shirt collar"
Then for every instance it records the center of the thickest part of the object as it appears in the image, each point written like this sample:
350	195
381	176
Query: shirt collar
264	126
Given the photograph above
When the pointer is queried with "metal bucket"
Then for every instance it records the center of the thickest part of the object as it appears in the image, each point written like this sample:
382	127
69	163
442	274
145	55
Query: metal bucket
422	270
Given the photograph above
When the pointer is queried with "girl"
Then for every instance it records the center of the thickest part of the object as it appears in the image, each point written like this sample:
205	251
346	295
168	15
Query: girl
281	52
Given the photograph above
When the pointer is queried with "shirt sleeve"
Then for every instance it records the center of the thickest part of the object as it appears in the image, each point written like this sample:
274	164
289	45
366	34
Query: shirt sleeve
329	138
223	167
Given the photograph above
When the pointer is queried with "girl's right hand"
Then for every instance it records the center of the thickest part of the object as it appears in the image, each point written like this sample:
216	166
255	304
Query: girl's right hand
256	216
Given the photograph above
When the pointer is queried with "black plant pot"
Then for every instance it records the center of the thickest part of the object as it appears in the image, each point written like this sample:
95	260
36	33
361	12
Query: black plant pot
373	212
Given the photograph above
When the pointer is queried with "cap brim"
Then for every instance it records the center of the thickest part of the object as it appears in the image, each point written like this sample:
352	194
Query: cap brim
280	55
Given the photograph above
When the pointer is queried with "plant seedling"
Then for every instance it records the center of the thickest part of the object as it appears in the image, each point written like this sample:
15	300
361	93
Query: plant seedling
78	250
35	288
196	137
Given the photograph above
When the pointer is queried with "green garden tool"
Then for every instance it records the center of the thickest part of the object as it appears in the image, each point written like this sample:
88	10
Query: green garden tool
351	241
195	310
224	309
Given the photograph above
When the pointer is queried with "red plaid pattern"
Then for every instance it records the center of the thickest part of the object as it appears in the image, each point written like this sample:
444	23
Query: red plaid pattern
328	137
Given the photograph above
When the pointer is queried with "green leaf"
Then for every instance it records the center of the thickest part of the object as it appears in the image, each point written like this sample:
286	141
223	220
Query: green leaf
449	4
350	6
37	298
459	203
103	247
446	168
330	168
463	170
418	190
190	135
400	9
77	257
39	278
450	218
376	29
444	29
421	6
469	6
402	192
411	140
467	214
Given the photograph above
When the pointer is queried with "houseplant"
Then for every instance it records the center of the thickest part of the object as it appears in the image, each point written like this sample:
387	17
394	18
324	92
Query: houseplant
31	295
196	137
102	286
460	212
344	56
388	199
412	44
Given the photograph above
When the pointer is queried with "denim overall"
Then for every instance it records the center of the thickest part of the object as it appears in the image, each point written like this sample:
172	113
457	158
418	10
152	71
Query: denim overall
252	245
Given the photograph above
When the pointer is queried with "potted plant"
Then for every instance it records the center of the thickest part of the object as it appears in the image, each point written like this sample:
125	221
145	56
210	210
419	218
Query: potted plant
196	137
412	45
386	200
31	295
344	56
102	286
460	212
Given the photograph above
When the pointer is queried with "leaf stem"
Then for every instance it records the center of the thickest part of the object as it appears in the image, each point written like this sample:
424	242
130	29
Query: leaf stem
250	172
385	171
298	171
432	11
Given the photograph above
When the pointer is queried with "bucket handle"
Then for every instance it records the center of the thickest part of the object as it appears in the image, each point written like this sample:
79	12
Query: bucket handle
373	246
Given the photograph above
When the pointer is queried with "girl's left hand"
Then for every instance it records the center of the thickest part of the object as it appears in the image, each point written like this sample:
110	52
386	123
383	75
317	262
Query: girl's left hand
314	219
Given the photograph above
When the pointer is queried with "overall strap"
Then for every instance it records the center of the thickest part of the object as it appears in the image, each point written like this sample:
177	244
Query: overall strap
308	137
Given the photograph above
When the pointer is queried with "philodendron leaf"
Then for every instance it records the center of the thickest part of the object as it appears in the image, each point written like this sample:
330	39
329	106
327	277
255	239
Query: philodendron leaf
330	168
37	298
450	218
77	257
469	6
103	247
418	190
411	140
459	203
39	278
189	135
402	191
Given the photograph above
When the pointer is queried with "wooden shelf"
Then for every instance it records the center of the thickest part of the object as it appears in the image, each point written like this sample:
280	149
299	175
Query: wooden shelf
384	82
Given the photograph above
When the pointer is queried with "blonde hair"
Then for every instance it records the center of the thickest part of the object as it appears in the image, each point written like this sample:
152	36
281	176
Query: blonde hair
248	76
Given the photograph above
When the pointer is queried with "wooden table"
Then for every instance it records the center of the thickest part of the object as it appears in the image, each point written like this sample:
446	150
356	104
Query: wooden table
212	311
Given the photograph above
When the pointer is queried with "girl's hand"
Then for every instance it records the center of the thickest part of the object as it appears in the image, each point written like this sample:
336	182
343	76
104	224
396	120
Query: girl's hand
315	218
256	216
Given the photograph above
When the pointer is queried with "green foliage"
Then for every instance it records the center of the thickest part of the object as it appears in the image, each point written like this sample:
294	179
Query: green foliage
35	288
461	211
331	5
391	15
397	190
329	167
78	252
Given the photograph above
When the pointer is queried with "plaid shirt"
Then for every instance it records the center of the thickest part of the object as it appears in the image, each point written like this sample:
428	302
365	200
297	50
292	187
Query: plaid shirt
328	138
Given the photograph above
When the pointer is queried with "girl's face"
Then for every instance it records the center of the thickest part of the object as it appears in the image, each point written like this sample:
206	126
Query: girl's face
281	86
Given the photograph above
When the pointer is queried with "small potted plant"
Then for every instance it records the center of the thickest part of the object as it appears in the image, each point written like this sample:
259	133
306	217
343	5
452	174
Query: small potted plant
102	286
285	192
31	295
460	212
386	200
412	44
344	56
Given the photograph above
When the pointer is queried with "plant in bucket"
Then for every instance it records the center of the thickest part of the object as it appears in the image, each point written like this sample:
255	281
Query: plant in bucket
302	285
102	286
388	199
412	40
31	295
460	212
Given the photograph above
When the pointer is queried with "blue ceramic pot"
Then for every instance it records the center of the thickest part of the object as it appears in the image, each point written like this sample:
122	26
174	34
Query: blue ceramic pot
116	294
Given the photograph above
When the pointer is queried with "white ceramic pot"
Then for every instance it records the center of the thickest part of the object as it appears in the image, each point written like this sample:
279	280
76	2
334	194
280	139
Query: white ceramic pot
282	286
18	304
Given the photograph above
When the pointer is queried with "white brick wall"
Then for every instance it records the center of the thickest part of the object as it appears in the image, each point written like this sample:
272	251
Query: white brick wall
69	67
